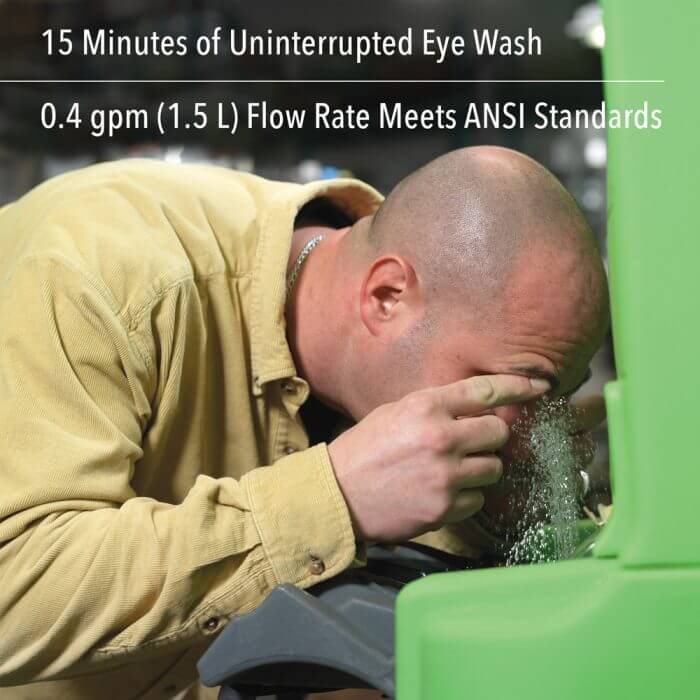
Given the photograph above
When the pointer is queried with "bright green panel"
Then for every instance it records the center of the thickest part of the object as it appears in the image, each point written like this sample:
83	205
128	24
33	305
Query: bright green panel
568	631
654	180
625	624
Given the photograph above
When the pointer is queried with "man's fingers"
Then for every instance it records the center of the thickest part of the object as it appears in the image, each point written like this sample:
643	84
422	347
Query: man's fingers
476	471
589	412
465	505
471	396
479	434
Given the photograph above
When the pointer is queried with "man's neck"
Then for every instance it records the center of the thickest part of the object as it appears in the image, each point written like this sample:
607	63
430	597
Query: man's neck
301	236
308	311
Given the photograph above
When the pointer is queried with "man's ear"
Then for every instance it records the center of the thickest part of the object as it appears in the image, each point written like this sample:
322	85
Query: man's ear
390	294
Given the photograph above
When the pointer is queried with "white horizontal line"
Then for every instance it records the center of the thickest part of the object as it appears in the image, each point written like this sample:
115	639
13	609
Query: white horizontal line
447	81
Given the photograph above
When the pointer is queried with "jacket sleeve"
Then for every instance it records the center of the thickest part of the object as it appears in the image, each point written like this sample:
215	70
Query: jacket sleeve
91	574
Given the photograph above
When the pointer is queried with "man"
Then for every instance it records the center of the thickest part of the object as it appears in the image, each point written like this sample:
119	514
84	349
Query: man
167	332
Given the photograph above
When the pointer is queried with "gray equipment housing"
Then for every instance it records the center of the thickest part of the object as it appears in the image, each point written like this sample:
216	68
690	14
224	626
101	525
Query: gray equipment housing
338	634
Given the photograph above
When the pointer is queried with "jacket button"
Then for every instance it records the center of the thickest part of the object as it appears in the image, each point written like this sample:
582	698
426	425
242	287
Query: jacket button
212	623
317	567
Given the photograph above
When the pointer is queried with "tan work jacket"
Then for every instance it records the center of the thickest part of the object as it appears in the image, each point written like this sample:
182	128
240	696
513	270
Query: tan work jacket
145	382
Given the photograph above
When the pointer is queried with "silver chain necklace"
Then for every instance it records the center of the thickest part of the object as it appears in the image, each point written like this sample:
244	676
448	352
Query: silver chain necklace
294	273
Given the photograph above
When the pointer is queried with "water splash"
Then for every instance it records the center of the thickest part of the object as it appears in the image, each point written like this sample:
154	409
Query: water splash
549	486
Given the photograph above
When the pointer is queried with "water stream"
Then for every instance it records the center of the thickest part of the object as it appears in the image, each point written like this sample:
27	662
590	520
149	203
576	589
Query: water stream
549	485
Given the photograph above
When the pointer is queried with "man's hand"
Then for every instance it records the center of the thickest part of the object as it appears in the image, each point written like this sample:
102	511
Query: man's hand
413	465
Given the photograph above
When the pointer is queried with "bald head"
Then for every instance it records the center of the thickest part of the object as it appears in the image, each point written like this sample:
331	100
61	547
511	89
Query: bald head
470	218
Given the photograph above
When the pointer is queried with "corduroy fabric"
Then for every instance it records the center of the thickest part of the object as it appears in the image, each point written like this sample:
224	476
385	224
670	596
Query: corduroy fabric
142	362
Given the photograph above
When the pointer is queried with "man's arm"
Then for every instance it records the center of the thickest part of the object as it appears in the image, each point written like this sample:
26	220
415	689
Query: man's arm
91	574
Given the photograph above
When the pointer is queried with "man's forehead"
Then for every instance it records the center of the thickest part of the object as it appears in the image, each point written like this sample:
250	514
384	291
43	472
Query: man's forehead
565	323
563	362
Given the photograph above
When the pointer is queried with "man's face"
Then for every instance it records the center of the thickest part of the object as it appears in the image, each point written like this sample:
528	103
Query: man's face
562	357
550	328
553	320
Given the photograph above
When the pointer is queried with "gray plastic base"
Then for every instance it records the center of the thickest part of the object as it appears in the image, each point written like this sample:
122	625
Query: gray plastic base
342	639
339	634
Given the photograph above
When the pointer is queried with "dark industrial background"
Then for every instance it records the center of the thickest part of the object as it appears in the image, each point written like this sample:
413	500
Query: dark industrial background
571	31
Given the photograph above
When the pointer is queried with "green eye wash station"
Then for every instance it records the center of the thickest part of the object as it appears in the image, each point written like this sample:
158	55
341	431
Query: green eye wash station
624	623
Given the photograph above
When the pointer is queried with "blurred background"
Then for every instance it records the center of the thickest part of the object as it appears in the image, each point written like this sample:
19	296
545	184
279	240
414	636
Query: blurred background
572	35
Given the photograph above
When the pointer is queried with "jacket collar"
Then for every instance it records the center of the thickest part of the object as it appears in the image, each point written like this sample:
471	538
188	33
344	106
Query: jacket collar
271	357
